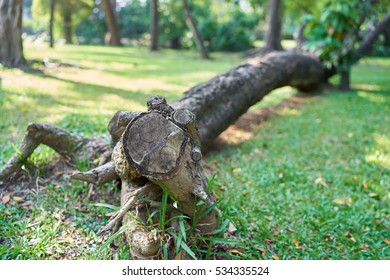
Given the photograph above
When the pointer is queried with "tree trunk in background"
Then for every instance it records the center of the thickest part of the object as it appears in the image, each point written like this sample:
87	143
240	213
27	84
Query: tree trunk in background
51	22
11	44
175	43
345	80
112	26
364	48
299	36
154	25
68	25
386	34
195	31
272	36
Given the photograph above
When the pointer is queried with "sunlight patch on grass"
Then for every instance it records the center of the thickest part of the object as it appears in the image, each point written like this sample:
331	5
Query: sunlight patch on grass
381	153
109	103
373	97
275	97
367	87
290	112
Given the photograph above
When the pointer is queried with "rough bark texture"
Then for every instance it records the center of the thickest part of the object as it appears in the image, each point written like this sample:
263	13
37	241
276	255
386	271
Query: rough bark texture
109	16
160	149
154	25
220	101
195	31
11	45
272	36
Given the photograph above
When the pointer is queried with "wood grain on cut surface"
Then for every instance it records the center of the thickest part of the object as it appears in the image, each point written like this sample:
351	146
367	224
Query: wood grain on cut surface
154	145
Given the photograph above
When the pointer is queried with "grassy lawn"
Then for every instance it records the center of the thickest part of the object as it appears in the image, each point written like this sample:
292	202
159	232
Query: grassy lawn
312	182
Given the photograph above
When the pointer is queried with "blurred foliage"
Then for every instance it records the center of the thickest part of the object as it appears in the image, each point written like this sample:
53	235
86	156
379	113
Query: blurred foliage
226	25
230	30
40	12
335	29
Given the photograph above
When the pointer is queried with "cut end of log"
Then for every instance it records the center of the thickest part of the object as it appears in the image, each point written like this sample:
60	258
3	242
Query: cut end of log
154	146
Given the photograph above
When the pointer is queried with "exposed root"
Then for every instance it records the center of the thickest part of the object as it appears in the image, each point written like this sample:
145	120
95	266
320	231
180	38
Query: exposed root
97	176
69	146
130	203
57	139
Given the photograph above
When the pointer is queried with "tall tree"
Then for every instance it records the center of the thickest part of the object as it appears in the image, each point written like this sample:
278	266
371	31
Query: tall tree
66	15
154	25
11	44
194	29
114	37
272	36
51	23
67	24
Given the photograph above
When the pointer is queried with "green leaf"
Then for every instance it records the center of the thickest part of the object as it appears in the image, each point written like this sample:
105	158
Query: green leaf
208	210
18	152
182	229
188	250
163	210
165	250
179	241
210	184
176	217
109	206
200	202
115	235
222	227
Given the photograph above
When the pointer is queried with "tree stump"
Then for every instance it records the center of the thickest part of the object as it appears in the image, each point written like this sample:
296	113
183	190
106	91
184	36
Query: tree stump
160	151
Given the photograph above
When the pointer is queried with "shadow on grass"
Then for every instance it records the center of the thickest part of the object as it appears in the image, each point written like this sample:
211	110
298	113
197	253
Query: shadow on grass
91	90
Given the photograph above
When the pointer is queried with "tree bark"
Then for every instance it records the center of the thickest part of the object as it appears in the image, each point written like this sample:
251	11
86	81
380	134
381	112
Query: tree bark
51	22
222	100
11	44
154	25
386	34
161	146
68	25
345	81
272	36
191	23
110	18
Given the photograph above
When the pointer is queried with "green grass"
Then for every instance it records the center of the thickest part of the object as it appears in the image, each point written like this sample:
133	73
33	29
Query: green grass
312	183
